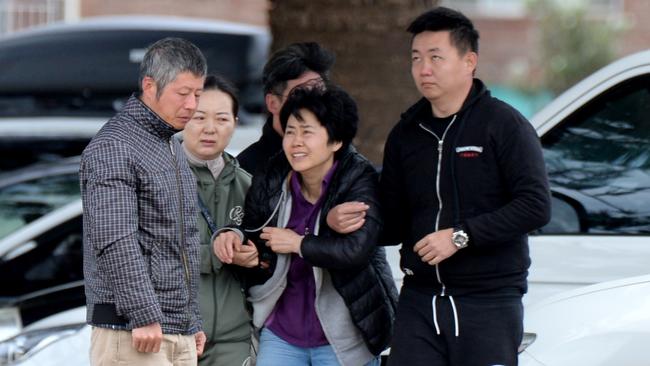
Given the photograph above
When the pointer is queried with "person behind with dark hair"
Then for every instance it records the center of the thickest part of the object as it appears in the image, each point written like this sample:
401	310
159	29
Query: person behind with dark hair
326	298
141	243
222	187
462	184
305	64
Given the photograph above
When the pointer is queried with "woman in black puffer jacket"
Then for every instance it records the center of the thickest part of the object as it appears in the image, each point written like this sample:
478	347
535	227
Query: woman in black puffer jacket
324	293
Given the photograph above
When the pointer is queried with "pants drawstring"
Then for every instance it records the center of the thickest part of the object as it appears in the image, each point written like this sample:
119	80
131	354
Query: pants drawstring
453	308
435	316
455	312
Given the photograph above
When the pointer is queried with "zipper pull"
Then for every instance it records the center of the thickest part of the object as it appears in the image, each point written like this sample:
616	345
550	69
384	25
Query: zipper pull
440	146
171	147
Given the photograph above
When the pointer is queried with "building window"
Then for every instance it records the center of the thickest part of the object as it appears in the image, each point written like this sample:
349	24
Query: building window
20	14
519	8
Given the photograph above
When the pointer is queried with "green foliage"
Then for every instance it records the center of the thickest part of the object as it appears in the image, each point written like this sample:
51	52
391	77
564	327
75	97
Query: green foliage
572	45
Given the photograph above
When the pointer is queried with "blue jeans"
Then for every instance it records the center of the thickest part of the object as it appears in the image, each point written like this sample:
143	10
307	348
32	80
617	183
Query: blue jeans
275	351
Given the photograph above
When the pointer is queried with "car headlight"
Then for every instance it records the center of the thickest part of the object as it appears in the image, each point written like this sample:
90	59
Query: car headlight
26	344
10	323
526	341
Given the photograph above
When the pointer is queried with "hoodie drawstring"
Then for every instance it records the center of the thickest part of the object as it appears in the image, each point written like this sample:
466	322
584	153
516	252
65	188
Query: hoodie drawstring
453	309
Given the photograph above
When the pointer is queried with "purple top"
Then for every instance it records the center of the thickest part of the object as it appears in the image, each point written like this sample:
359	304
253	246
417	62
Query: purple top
294	317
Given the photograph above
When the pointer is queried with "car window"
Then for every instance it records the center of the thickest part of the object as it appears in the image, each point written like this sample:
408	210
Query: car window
30	150
599	158
24	202
51	259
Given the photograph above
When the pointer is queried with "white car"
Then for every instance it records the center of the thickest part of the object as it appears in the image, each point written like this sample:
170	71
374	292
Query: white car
600	325
595	138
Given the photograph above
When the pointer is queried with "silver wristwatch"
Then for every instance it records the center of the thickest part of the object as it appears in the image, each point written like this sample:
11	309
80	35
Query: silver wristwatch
460	238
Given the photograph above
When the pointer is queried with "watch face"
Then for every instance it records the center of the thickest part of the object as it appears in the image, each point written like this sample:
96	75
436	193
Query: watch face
460	239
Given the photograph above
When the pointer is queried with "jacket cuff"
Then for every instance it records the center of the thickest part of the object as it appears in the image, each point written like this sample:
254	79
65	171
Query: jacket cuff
149	315
242	237
464	225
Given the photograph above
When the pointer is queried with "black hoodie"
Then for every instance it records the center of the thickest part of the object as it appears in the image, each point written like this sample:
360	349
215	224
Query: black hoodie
258	154
492	182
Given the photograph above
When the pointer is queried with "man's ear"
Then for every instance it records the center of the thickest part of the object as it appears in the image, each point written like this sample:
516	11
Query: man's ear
273	103
149	88
471	60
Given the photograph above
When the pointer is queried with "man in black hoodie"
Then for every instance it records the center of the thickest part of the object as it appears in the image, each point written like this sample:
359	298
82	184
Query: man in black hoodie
463	182
299	64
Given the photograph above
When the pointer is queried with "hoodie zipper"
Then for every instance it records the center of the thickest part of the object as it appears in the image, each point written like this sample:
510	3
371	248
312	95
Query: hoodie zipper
182	228
440	148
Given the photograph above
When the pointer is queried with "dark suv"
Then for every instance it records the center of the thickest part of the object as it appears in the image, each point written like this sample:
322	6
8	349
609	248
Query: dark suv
60	83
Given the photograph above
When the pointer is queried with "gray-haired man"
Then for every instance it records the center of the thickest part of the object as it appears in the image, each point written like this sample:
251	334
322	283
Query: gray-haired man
141	244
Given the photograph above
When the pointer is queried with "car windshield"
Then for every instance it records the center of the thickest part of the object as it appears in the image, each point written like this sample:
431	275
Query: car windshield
24	202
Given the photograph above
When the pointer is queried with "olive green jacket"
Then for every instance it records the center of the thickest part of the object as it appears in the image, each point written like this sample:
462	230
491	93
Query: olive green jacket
222	301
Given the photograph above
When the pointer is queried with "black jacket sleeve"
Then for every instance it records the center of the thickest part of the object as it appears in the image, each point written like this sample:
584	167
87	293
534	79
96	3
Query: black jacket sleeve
520	160
255	216
391	194
335	251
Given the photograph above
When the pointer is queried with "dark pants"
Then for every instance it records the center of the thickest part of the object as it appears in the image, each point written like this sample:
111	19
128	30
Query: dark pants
489	328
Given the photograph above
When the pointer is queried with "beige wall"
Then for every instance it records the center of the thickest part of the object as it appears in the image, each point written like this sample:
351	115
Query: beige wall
637	37
507	48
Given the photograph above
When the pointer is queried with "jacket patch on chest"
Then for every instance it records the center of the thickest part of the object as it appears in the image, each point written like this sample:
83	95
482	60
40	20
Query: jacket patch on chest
236	214
469	151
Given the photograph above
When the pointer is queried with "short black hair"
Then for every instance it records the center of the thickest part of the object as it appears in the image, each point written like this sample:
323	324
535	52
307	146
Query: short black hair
332	106
220	83
463	35
294	60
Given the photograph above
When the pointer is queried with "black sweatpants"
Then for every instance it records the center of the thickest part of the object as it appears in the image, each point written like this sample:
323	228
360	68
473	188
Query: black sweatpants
489	329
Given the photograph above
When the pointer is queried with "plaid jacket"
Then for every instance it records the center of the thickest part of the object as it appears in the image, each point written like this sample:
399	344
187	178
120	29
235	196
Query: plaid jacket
141	243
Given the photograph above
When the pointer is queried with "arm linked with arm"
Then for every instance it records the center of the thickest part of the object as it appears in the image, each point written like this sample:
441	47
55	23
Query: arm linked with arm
253	220
351	250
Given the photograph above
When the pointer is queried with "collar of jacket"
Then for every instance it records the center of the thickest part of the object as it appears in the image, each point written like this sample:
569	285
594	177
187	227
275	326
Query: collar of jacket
478	91
228	172
269	135
227	175
148	118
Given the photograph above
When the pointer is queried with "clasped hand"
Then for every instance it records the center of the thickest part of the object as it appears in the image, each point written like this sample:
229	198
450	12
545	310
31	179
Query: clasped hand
228	247
284	241
435	247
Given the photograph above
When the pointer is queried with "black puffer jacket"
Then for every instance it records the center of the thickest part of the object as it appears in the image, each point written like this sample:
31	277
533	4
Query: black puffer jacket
358	268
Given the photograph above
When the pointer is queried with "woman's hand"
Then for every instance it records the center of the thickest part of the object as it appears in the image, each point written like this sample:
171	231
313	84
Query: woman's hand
225	245
280	240
247	256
